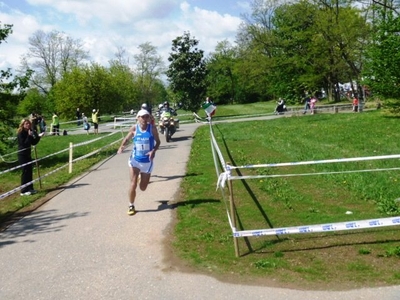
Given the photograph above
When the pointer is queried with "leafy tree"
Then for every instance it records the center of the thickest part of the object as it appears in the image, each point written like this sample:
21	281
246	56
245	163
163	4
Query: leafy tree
11	92
187	72
93	86
221	78
51	55
302	46
382	73
149	67
34	102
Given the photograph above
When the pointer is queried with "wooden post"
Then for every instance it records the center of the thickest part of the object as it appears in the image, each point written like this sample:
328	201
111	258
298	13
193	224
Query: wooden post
70	157
233	214
37	167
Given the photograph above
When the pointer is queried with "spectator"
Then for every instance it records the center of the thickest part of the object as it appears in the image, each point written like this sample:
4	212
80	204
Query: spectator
26	137
55	125
42	124
313	100
355	103
86	124
95	121
307	101
78	116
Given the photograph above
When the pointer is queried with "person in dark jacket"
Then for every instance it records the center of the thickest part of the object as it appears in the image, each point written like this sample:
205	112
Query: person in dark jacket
27	137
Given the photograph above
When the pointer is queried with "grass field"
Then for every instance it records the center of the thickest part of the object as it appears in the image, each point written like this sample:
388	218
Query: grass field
336	260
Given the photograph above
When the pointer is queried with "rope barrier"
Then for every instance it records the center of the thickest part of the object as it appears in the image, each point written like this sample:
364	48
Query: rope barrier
2	196
225	176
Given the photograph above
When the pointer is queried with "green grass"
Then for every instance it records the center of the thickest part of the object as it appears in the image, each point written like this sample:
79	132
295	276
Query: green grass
310	260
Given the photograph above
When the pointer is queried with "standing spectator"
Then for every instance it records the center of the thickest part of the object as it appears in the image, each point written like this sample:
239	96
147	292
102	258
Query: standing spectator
307	101
78	116
55	125
145	144
355	103
35	121
86	124
95	121
313	100
42	124
26	137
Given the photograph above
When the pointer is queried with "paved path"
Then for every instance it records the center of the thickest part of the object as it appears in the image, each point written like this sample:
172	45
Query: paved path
82	245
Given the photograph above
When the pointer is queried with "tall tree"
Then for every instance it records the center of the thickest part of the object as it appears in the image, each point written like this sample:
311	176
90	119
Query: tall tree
382	73
149	67
12	90
51	55
221	78
187	72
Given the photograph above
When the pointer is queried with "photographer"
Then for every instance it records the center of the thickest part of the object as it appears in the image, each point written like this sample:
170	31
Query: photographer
27	137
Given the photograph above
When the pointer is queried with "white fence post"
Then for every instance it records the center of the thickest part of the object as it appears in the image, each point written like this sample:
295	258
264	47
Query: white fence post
71	149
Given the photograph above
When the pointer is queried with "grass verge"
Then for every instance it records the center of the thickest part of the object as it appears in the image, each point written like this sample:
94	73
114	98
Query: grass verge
335	260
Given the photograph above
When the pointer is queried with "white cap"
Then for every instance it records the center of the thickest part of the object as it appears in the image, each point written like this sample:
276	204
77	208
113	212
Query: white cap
142	112
94	110
144	105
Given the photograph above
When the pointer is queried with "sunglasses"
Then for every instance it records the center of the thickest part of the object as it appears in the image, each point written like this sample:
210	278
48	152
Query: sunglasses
145	116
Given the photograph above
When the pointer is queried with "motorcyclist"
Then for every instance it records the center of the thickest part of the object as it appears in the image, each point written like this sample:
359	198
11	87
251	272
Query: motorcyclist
167	108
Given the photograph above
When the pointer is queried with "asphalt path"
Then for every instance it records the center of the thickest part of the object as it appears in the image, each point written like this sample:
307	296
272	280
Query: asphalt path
82	244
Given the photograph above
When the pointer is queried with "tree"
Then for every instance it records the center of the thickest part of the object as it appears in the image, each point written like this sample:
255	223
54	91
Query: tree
94	86
51	55
149	67
12	90
187	72
221	78
382	73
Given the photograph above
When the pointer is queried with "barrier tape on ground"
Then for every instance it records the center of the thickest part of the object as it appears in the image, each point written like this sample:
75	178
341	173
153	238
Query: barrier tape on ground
340	226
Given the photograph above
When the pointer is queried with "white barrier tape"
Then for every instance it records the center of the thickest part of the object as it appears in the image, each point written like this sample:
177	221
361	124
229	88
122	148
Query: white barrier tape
33	161
329	227
310	174
314	162
223	177
61	151
94	140
2	196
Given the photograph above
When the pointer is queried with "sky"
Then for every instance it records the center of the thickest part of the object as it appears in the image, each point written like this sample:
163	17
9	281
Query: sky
104	26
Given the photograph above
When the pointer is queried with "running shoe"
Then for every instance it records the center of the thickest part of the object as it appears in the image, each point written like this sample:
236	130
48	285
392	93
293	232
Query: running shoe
131	210
26	194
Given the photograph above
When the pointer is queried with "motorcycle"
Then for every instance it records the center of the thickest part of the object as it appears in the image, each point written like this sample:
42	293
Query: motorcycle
168	125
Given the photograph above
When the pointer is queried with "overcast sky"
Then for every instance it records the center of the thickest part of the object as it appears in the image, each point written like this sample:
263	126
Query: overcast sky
104	25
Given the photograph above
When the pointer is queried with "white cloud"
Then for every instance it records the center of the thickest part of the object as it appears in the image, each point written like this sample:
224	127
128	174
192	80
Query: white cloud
105	25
